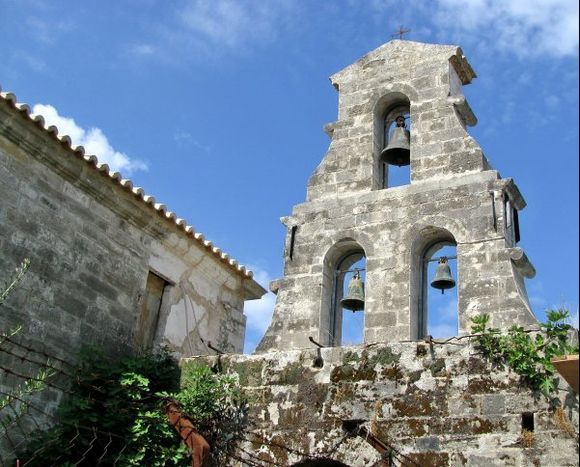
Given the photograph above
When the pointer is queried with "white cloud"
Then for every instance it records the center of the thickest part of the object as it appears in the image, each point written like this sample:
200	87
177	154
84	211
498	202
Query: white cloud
230	23
93	140
258	312
182	136
141	49
206	29
33	62
48	31
525	27
443	318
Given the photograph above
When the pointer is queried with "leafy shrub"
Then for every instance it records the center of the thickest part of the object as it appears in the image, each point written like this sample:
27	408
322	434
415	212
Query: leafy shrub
216	406
114	414
526	354
111	415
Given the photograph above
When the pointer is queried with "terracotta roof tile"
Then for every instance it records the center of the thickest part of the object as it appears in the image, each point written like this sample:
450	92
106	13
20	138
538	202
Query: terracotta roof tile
126	184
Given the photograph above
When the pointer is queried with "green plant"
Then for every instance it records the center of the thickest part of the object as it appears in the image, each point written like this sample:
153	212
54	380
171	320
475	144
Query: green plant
527	354
217	408
114	410
15	403
114	414
9	285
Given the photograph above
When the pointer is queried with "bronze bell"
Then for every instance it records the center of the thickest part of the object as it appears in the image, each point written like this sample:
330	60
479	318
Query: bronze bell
398	152
443	279
355	297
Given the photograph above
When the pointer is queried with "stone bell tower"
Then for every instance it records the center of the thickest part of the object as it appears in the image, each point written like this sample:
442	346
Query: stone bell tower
453	197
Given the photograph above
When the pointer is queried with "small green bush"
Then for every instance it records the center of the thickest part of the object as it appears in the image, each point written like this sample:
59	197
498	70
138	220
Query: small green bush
111	415
114	414
527	354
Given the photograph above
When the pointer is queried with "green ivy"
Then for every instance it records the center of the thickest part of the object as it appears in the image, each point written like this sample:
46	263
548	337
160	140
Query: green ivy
528	354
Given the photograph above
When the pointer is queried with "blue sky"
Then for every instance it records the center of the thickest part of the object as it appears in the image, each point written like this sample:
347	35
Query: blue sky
216	107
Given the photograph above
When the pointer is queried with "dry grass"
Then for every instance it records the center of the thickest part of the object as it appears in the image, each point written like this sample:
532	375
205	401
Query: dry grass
563	422
527	439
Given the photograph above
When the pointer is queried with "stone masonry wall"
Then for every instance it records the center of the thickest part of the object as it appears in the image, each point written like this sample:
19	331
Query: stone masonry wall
437	405
453	196
92	245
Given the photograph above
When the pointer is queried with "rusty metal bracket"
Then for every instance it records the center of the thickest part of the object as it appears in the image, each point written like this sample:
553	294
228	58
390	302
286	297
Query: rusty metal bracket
318	361
215	349
317	344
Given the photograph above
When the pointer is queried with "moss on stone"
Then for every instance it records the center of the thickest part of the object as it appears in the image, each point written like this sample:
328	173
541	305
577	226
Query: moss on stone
384	356
420	405
350	357
414	376
351	373
422	350
342	373
486	385
429	459
343	392
292	373
437	368
249	372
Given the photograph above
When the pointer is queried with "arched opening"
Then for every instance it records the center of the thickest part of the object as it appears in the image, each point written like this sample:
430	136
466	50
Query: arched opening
396	171
438	313
342	312
352	326
432	312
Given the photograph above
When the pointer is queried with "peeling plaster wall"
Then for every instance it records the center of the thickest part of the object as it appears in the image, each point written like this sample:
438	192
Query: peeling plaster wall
438	405
201	301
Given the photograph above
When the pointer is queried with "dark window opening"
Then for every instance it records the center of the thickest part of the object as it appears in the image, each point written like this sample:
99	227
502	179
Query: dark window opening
512	222
528	421
150	308
292	240
516	226
319	463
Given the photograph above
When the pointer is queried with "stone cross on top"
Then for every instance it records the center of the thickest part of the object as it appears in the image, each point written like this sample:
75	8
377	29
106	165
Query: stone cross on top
400	33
